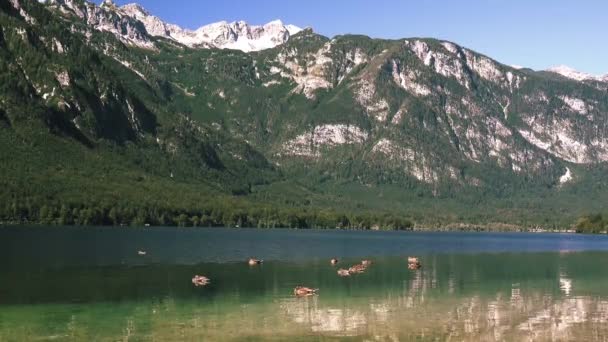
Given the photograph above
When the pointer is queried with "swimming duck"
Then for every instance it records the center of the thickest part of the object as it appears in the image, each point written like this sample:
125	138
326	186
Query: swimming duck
343	273
142	253
304	291
414	266
199	280
413	263
253	262
359	268
334	261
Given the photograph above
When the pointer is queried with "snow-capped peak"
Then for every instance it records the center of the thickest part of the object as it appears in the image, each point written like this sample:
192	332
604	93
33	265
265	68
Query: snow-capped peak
135	10
237	35
276	22
293	29
571	73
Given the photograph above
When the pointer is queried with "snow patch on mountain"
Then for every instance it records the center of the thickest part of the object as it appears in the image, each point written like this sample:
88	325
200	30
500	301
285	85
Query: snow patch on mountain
134	25
241	36
571	73
576	75
237	35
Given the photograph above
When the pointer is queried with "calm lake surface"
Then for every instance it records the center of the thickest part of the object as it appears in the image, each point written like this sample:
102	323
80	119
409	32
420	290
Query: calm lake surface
90	284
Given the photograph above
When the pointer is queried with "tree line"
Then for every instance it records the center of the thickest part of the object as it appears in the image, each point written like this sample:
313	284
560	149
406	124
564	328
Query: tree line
592	224
218	215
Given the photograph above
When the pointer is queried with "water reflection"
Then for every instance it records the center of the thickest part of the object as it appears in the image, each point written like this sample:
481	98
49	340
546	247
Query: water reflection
308	312
530	317
526	311
487	297
565	284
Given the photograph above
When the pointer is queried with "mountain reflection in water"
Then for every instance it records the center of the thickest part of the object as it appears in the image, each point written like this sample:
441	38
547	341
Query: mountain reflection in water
528	314
520	296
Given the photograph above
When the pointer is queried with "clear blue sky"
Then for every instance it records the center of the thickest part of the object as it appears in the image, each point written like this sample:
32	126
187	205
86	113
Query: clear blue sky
532	33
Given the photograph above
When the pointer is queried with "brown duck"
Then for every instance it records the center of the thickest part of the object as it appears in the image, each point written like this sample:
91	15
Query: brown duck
199	280
343	273
304	291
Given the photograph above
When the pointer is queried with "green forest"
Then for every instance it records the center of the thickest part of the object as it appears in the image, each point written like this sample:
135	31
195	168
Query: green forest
95	131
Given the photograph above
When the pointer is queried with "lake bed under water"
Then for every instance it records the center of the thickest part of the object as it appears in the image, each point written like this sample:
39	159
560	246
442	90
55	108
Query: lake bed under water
91	284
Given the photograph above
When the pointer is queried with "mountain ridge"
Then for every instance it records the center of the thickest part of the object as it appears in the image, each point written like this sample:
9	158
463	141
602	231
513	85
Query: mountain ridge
574	74
200	37
410	123
236	35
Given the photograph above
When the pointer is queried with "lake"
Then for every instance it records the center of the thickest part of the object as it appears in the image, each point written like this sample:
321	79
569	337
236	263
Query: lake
91	284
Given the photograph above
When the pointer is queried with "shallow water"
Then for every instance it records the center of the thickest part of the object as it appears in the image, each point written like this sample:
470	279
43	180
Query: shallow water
90	284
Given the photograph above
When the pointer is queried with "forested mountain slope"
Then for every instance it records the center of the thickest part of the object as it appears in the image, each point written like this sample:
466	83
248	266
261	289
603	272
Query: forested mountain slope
97	113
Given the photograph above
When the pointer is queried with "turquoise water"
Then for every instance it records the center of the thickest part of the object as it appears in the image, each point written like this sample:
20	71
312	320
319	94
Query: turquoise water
91	284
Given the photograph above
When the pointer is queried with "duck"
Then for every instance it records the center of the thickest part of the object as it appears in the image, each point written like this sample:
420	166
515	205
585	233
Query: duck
199	280
304	291
359	268
412	260
413	263
334	261
366	262
343	273
253	262
142	253
414	266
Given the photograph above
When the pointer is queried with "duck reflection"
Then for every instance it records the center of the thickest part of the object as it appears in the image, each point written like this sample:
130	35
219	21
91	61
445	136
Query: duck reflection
431	306
470	298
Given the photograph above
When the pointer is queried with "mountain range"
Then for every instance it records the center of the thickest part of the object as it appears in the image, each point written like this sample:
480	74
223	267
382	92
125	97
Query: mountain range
416	127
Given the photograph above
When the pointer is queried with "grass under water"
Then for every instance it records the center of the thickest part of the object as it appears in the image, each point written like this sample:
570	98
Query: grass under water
467	295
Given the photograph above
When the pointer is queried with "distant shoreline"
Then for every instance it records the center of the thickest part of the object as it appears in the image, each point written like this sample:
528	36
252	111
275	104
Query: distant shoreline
448	228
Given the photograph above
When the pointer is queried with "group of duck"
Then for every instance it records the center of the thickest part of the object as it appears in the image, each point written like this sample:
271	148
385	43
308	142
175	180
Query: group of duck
354	269
413	263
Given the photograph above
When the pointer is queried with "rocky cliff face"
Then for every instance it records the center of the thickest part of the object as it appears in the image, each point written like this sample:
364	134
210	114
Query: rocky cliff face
133	24
105	18
427	108
410	111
